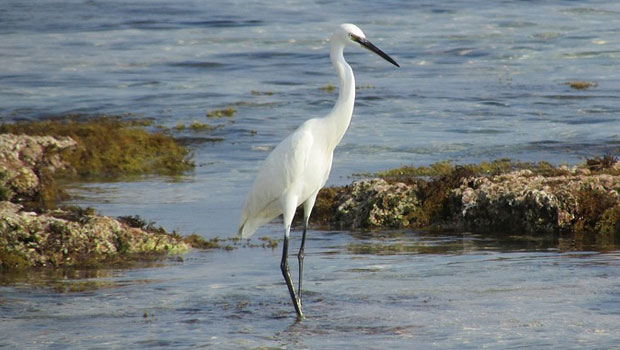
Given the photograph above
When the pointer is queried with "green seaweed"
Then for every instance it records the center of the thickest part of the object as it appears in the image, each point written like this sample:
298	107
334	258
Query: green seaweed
5	192
408	174
111	147
324	208
603	165
219	113
269	242
610	221
433	196
72	213
328	88
581	85
12	260
195	126
592	204
198	126
196	241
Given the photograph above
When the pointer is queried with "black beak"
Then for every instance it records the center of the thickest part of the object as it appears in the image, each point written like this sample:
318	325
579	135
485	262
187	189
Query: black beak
370	46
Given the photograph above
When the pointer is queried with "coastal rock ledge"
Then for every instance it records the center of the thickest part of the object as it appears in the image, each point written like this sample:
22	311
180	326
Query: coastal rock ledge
523	202
76	237
32	234
583	200
26	162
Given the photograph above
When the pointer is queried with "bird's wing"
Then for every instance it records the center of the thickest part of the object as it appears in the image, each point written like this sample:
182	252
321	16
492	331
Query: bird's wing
278	173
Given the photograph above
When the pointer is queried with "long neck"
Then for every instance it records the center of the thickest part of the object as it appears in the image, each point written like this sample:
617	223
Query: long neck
340	115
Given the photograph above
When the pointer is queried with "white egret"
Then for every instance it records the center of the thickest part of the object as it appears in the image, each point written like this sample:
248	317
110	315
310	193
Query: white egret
299	166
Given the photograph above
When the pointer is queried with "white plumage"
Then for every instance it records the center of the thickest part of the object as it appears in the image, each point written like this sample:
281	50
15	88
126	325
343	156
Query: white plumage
299	166
292	174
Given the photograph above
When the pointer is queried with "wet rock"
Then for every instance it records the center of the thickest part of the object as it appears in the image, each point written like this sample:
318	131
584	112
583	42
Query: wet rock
33	235
377	203
74	237
27	161
610	221
536	201
523	202
110	146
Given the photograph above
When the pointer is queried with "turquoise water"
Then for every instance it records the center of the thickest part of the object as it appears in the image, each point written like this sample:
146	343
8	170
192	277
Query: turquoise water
478	81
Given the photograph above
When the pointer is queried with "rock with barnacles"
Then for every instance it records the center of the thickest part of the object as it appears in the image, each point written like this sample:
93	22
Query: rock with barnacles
500	197
75	237
32	235
377	203
26	160
522	202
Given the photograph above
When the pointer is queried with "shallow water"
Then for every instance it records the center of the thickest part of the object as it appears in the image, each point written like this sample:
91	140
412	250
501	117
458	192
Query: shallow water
479	81
470	292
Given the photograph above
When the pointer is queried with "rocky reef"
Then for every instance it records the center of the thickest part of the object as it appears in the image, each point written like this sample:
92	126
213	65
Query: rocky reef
75	237
35	232
501	197
522	201
27	162
377	203
108	147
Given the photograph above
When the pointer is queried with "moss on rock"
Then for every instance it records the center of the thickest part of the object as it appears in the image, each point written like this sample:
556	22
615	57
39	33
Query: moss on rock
33	233
500	197
28	165
109	146
377	203
74	237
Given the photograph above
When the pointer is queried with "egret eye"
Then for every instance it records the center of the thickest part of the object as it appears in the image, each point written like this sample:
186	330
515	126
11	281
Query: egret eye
355	38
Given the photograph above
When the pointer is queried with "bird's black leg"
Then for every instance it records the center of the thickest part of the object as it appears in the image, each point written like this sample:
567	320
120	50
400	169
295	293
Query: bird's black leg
300	259
287	277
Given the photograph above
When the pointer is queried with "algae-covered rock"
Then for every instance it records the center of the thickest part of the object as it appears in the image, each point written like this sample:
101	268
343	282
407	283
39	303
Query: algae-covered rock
522	202
610	221
109	147
499	197
74	237
26	162
33	234
377	203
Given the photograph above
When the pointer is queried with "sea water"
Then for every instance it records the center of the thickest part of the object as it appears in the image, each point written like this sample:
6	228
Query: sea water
478	81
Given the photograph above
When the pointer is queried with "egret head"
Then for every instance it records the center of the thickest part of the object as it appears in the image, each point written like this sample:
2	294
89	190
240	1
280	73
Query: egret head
350	33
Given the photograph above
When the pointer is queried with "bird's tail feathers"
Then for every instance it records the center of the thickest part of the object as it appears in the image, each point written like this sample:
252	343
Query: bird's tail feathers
244	231
248	227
